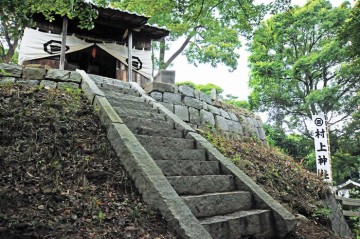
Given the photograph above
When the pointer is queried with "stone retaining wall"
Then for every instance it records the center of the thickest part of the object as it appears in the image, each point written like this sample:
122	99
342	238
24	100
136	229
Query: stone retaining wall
39	76
201	111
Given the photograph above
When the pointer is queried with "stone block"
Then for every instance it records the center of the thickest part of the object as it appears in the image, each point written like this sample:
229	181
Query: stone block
207	117
205	106
48	84
165	76
159	86
225	114
58	75
10	70
172	98
28	82
197	94
205	97
235	127
214	110
67	85
168	106
158	96
261	134
75	77
105	111
233	116
182	112
33	73
213	94
220	123
194	116
186	90
191	102
7	80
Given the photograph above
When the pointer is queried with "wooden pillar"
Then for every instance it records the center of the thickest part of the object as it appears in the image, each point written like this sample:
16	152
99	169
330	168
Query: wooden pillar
130	45
63	43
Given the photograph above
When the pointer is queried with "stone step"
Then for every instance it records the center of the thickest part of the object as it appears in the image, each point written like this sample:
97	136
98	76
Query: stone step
140	130
133	122
211	204
168	153
126	104
241	224
188	168
107	88
196	185
119	96
155	141
139	113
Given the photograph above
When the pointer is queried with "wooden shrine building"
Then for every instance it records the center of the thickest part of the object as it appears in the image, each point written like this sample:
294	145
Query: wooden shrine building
104	50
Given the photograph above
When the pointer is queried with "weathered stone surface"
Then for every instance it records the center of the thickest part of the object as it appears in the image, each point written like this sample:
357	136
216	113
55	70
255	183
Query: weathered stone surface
168	106
205	97
213	94
197	94
202	184
206	117
33	73
194	116
172	98
235	127
224	114
155	141
205	106
218	203
165	76
10	70
7	80
239	224
166	153
261	133
59	75
159	86
105	111
89	87
75	77
149	123
220	123
214	110
191	102
186	90
233	116
47	84
188	167
67	85
182	112
158	96
28	82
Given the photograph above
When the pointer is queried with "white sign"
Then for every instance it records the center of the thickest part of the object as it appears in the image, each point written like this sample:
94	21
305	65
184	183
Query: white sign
322	148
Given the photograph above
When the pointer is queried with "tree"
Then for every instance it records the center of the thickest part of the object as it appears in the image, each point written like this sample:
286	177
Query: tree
300	68
210	29
15	15
295	67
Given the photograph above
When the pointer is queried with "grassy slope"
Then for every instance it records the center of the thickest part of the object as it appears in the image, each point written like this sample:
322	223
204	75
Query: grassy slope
59	176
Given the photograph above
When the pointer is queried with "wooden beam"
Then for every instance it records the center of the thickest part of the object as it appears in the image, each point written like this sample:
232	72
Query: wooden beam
130	44
63	43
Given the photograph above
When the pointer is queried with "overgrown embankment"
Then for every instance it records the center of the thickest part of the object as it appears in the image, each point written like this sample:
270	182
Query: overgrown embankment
284	179
59	176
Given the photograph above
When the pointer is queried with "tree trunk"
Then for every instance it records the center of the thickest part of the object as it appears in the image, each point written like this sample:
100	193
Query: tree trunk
10	53
162	55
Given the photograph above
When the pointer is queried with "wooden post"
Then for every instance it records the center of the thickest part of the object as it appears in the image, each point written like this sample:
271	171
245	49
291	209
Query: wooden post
63	43
130	56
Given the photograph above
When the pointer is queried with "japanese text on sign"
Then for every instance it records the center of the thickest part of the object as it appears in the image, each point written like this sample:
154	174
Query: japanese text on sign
322	151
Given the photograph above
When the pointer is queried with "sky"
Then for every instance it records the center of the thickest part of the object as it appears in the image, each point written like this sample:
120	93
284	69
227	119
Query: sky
234	83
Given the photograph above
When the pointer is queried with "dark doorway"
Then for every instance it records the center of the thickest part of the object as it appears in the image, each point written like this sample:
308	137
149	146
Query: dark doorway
94	60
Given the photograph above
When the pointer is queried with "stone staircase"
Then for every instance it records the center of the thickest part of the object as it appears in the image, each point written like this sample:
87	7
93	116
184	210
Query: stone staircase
222	203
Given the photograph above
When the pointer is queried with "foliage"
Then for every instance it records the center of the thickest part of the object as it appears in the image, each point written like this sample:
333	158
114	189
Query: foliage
202	88
209	29
238	103
295	64
187	83
15	15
